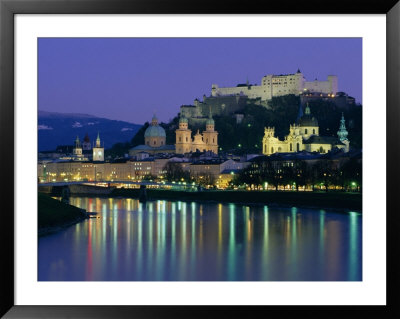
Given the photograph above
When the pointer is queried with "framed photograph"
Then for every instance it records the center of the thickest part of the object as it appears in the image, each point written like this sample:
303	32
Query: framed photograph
166	159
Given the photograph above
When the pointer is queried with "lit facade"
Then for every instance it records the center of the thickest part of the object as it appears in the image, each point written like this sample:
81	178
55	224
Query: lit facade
206	141
278	85
304	136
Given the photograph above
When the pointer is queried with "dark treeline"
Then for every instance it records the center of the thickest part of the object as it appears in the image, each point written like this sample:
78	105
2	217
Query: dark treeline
298	173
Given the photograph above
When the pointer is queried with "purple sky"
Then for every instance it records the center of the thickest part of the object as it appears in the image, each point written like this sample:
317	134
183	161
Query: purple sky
129	78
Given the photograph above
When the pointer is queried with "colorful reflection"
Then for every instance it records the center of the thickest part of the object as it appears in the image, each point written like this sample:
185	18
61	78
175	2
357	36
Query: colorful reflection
188	241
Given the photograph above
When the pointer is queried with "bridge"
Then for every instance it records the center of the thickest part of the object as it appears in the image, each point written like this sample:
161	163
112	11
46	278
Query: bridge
65	189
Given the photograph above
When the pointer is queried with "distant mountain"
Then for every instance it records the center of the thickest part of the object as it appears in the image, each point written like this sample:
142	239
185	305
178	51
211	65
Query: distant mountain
62	128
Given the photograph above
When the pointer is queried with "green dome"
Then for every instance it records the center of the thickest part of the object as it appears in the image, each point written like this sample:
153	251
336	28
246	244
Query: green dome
307	120
154	131
183	119
210	122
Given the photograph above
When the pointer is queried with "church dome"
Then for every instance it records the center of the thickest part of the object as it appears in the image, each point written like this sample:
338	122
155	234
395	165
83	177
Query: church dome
308	121
210	122
183	119
154	131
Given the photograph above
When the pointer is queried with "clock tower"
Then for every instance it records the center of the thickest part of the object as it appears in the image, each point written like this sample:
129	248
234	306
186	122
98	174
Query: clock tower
98	151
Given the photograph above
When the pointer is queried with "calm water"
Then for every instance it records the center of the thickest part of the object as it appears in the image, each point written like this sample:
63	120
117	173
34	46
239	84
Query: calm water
163	240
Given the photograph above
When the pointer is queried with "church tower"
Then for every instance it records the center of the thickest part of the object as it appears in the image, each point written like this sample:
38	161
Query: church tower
210	136
98	151
86	146
342	134
269	136
78	148
183	137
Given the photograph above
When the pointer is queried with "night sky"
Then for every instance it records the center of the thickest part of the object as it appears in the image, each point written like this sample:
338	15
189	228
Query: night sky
131	78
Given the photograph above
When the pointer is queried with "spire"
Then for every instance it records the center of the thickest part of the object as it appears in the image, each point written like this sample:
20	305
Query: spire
98	140
247	80
298	70
154	120
307	110
342	133
86	138
210	120
77	142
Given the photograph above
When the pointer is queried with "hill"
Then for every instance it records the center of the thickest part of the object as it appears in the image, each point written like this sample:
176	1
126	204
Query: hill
62	128
281	113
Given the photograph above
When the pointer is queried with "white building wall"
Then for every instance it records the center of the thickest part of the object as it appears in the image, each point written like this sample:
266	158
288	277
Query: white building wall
328	87
278	85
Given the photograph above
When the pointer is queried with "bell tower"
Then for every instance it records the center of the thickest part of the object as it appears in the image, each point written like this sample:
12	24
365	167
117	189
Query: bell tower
183	137
210	136
98	151
342	134
77	151
269	136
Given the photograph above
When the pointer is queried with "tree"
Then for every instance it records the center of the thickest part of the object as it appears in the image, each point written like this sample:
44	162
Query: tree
352	174
205	179
325	172
175	172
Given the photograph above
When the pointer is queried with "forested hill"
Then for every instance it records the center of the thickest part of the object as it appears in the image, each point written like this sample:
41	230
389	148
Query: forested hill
283	111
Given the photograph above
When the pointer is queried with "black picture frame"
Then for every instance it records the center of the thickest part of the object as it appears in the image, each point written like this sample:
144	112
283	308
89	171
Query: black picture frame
8	8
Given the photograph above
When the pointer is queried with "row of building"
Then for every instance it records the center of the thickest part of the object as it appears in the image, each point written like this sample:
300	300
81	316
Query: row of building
218	171
196	157
143	167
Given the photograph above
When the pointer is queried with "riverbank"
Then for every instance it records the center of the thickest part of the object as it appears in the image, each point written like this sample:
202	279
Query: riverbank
334	200
54	215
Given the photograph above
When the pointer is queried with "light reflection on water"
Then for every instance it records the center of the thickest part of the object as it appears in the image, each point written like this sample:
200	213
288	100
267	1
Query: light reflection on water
162	240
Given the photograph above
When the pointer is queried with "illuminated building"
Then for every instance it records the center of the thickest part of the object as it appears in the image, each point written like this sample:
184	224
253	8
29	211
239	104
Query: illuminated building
207	141
304	136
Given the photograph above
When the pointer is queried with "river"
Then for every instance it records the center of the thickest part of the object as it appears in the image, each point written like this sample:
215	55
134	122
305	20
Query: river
190	241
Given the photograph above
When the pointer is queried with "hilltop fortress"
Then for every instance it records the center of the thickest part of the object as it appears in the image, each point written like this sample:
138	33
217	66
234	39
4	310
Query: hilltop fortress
278	85
232	100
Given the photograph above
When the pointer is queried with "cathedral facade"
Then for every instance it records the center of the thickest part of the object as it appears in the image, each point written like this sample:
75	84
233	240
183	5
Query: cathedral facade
304	136
207	141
